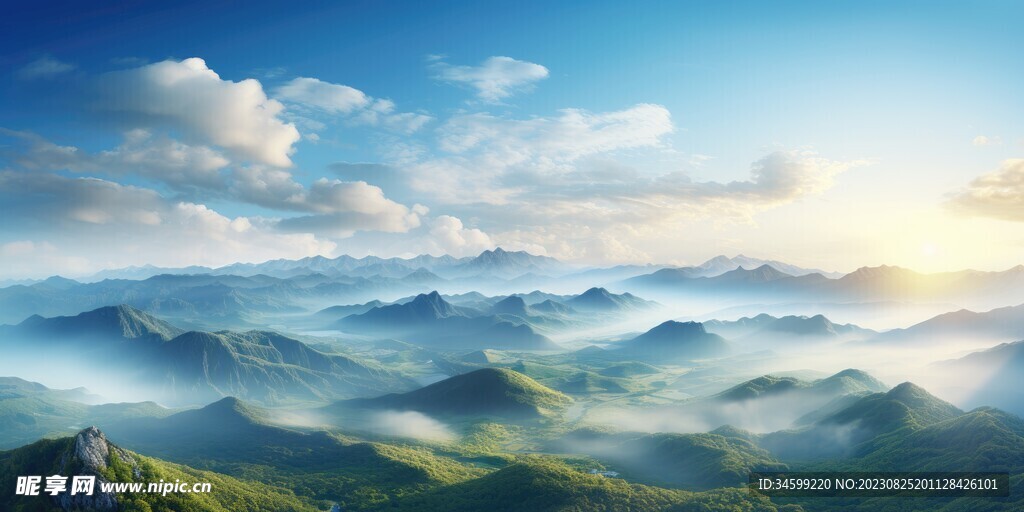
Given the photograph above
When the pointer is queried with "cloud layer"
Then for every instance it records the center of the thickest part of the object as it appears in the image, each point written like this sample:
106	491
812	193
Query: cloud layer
106	225
998	194
495	79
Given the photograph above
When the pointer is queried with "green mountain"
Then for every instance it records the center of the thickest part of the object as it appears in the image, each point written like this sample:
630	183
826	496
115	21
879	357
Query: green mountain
430	320
769	403
849	432
236	438
545	485
674	341
485	392
108	324
984	439
686	461
846	382
261	366
905	405
29	411
150	355
89	453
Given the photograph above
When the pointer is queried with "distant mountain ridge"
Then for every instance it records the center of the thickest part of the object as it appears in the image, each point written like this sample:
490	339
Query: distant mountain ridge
431	320
186	367
600	299
673	341
764	325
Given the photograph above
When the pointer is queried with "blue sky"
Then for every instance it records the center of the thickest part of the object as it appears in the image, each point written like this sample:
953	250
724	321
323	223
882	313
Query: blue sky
833	134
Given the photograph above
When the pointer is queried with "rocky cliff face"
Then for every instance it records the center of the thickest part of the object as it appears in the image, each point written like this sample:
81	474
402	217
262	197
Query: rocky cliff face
91	454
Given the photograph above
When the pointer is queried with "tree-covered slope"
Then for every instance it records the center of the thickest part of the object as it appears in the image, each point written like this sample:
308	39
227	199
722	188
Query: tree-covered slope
488	391
89	453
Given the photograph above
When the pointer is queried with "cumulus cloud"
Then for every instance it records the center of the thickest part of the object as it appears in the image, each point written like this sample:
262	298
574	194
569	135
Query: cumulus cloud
998	194
341	208
141	153
337	208
334	98
105	224
495	78
337	99
44	67
449	236
190	98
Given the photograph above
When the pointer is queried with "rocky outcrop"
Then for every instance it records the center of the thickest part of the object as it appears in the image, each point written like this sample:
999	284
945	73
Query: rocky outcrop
90	455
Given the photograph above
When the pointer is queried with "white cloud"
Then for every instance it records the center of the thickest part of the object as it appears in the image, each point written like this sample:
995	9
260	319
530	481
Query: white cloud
449	236
44	67
983	140
337	99
342	208
337	208
495	78
382	113
600	216
105	224
567	137
190	98
159	158
490	159
333	98
998	194
411	424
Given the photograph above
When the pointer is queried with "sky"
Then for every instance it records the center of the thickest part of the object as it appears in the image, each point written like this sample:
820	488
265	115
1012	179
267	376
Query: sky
832	135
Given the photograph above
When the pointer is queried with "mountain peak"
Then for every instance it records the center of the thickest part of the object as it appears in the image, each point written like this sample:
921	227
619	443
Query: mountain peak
511	305
487	391
910	392
676	341
600	299
763	273
595	292
679	328
120	321
434	303
92	449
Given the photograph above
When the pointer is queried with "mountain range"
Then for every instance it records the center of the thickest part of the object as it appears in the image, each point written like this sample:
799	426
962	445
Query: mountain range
194	366
766	331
